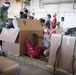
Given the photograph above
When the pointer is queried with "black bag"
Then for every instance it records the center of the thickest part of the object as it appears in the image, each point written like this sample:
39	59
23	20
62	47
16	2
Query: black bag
71	31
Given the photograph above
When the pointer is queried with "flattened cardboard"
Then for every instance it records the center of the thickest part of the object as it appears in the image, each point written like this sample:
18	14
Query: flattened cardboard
7	64
10	72
66	52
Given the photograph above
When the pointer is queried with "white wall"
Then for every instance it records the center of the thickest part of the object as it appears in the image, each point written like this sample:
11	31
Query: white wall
14	8
62	10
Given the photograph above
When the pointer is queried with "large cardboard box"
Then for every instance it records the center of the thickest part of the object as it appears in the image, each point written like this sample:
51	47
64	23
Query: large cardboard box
65	62
26	26
8	66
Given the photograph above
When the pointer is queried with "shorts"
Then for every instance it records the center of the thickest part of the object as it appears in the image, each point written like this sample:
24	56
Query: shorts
46	48
53	27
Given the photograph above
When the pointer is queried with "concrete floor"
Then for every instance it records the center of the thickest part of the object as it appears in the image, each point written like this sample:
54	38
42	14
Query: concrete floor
28	69
30	66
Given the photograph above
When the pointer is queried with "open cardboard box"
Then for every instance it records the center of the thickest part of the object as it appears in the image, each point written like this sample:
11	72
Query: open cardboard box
26	26
65	63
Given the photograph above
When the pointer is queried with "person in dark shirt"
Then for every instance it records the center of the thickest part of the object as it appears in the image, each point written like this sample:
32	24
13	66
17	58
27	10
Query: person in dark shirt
23	14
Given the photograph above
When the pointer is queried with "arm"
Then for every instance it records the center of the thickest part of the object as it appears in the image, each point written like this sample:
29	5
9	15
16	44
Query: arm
40	37
48	39
1	13
2	20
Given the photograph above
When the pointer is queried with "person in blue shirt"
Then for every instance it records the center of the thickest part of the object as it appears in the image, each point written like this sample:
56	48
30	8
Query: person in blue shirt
48	19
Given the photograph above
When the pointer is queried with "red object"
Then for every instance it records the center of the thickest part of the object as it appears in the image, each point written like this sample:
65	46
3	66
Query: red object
52	32
32	51
24	23
54	21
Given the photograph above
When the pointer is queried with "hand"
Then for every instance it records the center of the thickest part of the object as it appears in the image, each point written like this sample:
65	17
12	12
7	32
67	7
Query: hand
8	23
48	40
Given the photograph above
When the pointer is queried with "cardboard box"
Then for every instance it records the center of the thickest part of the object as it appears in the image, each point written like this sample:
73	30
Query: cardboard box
26	26
66	58
8	66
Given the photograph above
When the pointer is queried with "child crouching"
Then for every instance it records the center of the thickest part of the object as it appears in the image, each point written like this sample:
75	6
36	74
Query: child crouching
32	46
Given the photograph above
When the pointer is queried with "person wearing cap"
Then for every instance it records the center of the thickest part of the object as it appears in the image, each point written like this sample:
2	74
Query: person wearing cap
3	16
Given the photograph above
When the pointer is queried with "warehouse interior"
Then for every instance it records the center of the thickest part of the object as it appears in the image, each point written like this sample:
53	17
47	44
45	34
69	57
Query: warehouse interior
19	55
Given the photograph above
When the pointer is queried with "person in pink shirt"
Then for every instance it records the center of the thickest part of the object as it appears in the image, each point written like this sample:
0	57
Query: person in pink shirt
54	21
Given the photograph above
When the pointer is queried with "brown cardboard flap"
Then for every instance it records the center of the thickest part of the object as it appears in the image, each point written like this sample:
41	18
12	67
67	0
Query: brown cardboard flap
27	24
9	37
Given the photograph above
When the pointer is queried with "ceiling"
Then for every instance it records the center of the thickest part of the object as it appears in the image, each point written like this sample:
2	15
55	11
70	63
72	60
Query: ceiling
58	1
